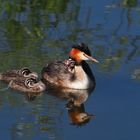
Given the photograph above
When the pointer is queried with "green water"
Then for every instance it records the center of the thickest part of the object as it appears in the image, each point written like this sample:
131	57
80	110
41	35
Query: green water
33	33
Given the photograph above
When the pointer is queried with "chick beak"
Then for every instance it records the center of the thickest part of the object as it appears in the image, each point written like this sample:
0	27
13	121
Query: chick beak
91	58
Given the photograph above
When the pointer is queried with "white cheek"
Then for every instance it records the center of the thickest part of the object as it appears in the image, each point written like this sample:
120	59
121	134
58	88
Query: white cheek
83	57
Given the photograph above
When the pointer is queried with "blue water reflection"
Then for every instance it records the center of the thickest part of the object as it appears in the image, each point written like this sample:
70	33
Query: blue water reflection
35	32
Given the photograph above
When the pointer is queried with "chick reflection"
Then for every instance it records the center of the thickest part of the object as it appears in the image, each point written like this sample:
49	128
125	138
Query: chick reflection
31	96
75	104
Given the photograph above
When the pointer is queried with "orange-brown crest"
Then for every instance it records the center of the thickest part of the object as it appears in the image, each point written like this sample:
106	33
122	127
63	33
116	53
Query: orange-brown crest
74	53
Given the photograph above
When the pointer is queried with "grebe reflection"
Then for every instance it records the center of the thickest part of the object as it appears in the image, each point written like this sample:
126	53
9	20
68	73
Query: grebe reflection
78	116
75	104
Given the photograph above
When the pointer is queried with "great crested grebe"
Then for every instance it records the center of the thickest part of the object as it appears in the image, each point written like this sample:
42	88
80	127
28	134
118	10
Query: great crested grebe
27	84
73	73
14	74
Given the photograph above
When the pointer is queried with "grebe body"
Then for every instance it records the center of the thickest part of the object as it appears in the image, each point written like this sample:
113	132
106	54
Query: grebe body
73	73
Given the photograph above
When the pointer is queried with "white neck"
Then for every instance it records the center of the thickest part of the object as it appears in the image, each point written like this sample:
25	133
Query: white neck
82	80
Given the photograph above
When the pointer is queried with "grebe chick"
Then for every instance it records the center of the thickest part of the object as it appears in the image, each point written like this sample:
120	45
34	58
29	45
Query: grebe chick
29	85
14	74
79	77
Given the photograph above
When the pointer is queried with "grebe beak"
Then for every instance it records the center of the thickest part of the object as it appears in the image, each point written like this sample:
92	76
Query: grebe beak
91	58
80	55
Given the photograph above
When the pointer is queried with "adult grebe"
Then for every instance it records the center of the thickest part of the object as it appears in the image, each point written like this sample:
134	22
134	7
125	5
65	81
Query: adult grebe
73	73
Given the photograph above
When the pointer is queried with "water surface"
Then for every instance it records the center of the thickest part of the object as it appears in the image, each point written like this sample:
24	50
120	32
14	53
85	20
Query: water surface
33	33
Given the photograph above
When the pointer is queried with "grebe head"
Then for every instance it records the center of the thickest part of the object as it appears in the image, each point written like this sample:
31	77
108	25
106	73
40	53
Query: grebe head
80	53
34	85
30	82
28	85
27	73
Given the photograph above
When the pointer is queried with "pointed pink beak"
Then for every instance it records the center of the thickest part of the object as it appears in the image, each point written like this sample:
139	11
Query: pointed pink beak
91	58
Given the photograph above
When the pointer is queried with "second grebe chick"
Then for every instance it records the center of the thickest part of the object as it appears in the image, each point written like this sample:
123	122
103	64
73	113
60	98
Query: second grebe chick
79	77
14	74
29	85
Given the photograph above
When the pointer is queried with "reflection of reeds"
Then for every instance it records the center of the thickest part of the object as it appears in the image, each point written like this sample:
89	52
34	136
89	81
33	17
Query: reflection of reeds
39	31
133	52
